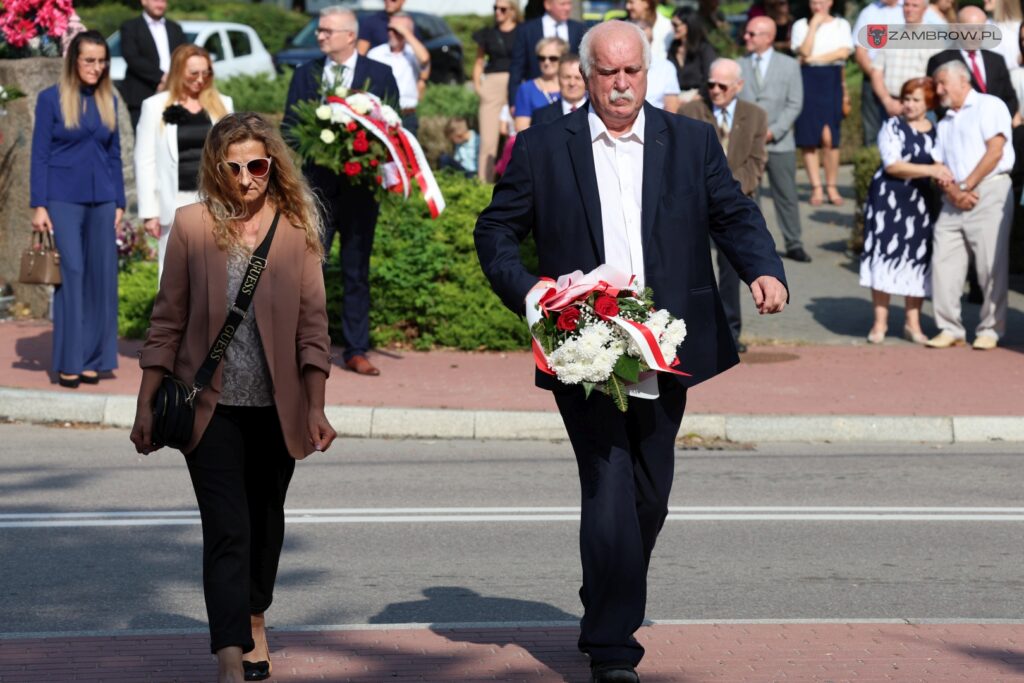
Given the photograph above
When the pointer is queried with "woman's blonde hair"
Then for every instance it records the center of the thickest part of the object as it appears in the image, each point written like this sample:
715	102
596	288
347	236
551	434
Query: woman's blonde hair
70	85
208	97
551	40
515	11
1007	10
286	187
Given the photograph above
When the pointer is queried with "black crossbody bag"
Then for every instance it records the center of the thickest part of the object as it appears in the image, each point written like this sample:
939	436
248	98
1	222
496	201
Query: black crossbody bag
174	404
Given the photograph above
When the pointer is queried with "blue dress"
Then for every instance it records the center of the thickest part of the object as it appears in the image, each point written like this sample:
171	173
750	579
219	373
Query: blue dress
530	97
899	216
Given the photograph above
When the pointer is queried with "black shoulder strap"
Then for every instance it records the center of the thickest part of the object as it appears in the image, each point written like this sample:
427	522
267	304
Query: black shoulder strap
257	263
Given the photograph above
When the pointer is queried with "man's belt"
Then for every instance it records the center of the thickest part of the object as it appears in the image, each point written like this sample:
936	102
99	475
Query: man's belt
408	111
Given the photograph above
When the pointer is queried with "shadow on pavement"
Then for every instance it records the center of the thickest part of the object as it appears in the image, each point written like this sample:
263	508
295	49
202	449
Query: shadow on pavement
34	352
1012	660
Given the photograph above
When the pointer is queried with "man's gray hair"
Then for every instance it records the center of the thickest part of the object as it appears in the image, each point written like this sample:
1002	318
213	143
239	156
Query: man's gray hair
587	48
351	20
733	65
954	66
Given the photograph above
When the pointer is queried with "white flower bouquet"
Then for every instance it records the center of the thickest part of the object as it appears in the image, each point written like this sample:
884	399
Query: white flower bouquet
599	331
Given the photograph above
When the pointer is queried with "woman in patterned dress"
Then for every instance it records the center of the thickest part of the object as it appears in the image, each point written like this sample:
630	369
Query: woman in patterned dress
899	214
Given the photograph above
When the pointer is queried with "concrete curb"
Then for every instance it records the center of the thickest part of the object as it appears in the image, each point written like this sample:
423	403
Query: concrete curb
422	423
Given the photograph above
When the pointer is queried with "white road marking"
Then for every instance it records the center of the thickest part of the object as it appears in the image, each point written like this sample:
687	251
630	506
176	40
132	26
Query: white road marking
438	515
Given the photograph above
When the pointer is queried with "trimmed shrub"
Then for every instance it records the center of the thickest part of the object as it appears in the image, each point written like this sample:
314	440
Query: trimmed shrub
108	17
425	280
136	291
273	24
258	93
865	162
449	101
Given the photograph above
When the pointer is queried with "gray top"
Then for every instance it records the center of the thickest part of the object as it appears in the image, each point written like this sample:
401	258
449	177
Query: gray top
246	380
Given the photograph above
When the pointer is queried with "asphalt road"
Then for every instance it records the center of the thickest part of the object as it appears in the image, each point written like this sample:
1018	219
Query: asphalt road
96	538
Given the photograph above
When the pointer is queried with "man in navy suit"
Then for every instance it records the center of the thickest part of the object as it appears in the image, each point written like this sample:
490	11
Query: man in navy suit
554	23
622	183
350	211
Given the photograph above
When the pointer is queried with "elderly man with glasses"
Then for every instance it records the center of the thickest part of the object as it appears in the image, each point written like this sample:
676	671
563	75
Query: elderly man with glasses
742	128
350	211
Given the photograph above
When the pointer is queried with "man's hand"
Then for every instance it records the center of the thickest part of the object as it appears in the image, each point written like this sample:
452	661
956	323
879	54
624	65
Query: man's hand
769	294
768	137
152	227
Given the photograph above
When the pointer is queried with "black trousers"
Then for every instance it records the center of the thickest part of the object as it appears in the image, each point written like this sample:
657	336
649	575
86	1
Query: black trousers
240	472
626	462
352	214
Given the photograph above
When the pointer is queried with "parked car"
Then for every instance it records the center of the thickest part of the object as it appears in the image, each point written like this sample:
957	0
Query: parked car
236	49
444	47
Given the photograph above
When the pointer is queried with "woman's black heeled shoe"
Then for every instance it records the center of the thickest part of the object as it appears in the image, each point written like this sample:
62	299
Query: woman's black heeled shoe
71	382
89	379
256	671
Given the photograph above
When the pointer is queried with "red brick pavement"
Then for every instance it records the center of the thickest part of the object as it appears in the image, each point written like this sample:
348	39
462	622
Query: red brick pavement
896	379
747	653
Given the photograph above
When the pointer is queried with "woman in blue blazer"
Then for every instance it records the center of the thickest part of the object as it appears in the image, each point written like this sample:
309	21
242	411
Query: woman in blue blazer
77	191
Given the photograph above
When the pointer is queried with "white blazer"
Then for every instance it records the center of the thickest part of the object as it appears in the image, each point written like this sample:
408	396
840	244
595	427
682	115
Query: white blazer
156	159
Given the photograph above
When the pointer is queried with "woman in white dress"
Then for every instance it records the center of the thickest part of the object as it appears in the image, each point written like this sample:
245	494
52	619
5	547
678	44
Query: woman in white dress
661	26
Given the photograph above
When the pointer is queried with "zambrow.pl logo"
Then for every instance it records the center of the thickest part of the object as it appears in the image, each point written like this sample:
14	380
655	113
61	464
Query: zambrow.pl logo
877	35
930	37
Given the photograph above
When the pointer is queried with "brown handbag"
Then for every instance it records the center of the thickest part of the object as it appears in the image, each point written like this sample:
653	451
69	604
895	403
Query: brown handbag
40	263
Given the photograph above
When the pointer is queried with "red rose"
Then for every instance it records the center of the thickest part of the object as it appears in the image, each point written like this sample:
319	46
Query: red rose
360	145
607	306
353	168
380	180
351	127
373	163
568	319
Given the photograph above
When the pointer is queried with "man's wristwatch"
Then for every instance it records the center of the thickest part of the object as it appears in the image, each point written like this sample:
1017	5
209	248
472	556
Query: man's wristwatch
962	186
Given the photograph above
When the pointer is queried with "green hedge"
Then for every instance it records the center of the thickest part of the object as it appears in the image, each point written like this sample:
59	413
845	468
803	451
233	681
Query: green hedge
449	101
865	162
258	93
106	18
425	280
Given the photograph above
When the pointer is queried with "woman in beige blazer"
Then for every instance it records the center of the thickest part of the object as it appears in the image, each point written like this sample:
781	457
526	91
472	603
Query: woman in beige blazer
169	140
264	407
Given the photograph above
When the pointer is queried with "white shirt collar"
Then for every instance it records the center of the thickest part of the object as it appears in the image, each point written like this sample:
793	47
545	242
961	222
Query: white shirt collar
549	22
567	106
598	129
349	64
162	21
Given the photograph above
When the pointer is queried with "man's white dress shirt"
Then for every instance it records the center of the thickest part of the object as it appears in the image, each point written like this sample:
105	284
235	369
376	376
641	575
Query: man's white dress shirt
569	107
346	74
406	69
962	135
158	29
554	29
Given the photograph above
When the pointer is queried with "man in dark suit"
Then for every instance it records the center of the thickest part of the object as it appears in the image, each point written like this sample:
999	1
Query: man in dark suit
987	65
623	183
742	128
147	42
554	23
350	211
572	88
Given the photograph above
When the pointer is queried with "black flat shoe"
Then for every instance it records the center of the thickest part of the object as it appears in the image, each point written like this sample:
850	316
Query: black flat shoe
613	672
71	382
89	379
256	671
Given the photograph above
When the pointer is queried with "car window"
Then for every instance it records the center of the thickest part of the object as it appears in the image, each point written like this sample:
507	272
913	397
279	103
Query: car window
214	46
190	37
431	27
307	36
241	46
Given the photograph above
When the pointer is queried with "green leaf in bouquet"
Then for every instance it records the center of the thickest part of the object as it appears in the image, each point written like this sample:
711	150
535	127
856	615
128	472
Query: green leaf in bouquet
588	387
648	297
627	369
617	390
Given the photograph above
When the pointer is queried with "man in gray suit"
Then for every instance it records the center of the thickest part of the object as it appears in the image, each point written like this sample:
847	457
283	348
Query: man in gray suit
774	83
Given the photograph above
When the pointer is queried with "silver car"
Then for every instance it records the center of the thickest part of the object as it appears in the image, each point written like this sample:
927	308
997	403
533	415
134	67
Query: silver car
236	49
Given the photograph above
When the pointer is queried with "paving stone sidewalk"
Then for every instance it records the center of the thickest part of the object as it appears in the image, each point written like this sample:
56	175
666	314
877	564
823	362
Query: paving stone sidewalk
693	653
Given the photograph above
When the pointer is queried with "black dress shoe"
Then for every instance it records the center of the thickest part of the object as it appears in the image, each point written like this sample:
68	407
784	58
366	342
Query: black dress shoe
798	255
256	671
613	672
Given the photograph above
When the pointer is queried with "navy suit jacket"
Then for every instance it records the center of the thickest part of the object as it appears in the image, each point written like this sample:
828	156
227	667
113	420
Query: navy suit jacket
546	114
689	197
79	165
370	76
524	65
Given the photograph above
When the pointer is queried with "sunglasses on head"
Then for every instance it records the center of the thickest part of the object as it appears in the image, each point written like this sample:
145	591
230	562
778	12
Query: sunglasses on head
715	85
257	168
